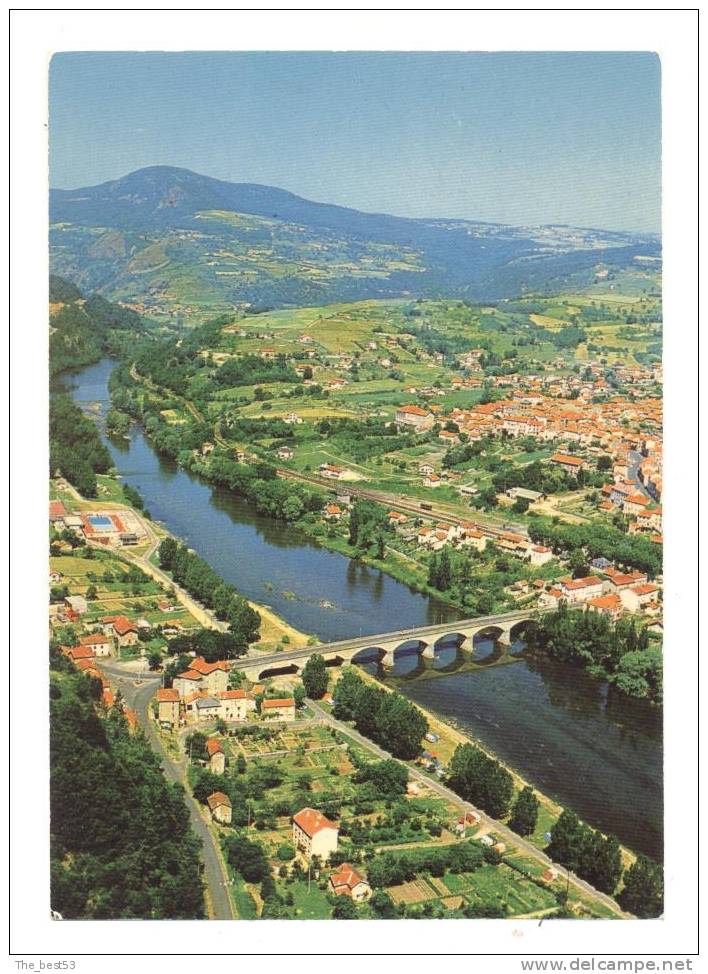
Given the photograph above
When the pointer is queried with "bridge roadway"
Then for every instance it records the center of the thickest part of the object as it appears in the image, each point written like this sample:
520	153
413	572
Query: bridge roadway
389	642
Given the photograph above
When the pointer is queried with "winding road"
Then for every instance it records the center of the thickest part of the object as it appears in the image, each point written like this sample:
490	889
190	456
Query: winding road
137	692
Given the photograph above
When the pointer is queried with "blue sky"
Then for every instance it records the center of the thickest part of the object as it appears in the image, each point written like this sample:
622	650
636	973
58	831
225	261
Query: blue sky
509	138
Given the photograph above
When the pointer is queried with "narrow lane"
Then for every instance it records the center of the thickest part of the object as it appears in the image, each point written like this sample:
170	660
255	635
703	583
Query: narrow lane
440	789
138	699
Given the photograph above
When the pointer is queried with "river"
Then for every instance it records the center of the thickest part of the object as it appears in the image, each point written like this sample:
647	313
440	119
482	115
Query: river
565	732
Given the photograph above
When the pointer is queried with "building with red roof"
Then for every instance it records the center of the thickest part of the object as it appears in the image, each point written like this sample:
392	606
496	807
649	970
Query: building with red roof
314	834
346	881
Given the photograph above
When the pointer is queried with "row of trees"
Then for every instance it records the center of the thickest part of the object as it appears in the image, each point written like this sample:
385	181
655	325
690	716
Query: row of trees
386	718
589	854
201	581
616	651
121	844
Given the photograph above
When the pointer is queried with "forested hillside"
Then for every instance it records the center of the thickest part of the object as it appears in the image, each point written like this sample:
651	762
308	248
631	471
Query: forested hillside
121	844
83	329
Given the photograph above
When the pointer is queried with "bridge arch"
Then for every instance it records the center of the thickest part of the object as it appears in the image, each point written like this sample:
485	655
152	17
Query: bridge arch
287	669
368	654
518	630
486	643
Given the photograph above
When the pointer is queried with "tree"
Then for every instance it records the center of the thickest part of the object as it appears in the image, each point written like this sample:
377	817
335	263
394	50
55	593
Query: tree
569	841
382	905
91	593
344	909
643	892
314	677
299	695
479	779
525	812
166	553
390	778
154	659
195	746
247	858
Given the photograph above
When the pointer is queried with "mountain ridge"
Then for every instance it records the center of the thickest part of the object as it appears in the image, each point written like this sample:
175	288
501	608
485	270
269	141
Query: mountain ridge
168	239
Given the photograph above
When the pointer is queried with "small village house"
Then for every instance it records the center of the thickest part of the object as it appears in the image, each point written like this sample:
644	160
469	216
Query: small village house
220	807
168	707
278	708
313	834
346	881
217	758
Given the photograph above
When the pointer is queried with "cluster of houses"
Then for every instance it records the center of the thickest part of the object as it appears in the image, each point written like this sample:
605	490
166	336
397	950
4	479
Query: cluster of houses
610	593
84	657
201	693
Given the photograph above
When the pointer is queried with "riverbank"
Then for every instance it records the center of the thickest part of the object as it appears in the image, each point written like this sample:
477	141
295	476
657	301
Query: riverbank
549	721
450	737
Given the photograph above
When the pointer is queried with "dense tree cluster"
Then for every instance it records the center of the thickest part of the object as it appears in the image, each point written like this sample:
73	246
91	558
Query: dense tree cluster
210	644
83	330
386	718
75	446
368	526
121	843
479	779
589	854
258	483
393	868
643	889
389	778
201	581
599	541
248	370
546	478
616	651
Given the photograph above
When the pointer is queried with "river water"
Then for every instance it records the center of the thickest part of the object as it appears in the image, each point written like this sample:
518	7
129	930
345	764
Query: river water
565	732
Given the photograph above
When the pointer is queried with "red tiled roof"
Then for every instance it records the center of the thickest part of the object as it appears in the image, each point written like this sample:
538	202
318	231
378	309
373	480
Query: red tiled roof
564	458
312	822
167	695
122	625
577	583
605	602
412	410
218	798
204	668
278	702
346	876
95	639
56	509
213	747
78	652
646	589
233	695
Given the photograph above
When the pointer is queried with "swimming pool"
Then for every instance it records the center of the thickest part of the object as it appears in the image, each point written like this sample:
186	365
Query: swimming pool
100	521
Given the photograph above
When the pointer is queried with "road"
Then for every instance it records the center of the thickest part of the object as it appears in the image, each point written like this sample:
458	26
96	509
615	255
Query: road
138	699
443	791
203	615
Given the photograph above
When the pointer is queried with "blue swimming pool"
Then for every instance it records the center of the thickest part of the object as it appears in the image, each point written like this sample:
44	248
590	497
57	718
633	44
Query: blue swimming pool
100	521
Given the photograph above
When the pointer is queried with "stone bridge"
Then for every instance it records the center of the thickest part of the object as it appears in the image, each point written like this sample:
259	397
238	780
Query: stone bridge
425	640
